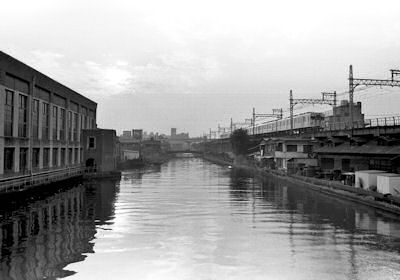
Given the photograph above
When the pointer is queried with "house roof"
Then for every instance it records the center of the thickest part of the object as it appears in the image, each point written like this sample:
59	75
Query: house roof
285	139
369	149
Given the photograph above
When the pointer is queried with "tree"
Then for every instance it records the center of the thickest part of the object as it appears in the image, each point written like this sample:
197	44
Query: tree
240	141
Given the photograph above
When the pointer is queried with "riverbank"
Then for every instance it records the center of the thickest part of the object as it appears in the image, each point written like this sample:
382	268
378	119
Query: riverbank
332	188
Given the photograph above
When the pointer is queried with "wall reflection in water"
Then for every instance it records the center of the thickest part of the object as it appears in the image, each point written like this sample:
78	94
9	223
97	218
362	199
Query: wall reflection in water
40	236
311	219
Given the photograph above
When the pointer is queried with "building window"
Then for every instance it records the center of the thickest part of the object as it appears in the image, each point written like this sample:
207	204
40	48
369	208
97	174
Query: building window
23	159
70	156
291	148
55	157
46	157
92	142
380	164
22	116
82	122
76	155
55	123
76	127
307	149
16	83
8	160
327	163
35	119
62	124
9	113
62	156
35	157
279	147
69	126
45	121
279	163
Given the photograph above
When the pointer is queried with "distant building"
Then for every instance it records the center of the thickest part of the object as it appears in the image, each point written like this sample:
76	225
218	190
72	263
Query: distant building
339	117
180	136
173	132
137	134
127	134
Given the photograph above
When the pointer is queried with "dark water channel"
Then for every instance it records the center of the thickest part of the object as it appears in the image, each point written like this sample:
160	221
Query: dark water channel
190	219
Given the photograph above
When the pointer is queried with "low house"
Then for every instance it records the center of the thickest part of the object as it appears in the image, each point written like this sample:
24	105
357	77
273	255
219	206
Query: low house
284	153
359	156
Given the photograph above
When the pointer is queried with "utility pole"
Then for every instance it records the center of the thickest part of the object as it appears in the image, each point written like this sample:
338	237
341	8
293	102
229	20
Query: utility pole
394	73
353	83
327	98
331	95
276	113
351	95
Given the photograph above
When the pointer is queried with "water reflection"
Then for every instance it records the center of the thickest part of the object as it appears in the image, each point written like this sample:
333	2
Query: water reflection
319	227
39	236
190	219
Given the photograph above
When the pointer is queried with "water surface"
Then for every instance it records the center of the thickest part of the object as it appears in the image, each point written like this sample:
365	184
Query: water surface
190	219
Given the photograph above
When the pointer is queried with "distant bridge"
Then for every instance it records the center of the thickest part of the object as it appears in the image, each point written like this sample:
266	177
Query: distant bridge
184	152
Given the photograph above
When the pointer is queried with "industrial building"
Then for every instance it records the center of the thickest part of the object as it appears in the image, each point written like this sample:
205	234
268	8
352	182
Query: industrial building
100	151
41	121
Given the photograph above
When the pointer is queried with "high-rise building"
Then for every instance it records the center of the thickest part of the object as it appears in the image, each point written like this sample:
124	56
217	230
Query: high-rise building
173	131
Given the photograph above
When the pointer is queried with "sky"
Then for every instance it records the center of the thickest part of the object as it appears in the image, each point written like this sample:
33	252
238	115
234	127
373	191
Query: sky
194	65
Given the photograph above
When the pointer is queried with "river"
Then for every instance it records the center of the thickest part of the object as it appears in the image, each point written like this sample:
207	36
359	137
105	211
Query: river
191	219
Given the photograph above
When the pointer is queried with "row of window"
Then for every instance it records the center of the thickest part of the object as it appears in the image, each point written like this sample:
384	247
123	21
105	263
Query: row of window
59	156
289	148
58	119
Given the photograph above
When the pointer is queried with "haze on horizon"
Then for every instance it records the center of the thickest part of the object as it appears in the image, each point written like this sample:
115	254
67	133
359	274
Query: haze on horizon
196	64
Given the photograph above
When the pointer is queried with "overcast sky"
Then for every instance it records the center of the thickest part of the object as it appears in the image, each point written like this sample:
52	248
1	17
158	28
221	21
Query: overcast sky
195	64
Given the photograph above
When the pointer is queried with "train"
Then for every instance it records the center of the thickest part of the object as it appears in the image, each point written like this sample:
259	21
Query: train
300	122
336	119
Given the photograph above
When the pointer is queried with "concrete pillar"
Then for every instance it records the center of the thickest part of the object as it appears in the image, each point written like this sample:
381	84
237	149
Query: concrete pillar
16	157
2	102
41	157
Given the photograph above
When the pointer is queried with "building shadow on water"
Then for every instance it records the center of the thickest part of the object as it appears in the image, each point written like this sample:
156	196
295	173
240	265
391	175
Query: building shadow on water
323	214
40	236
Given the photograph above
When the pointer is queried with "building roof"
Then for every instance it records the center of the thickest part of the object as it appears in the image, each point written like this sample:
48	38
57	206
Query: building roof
26	72
369	149
285	139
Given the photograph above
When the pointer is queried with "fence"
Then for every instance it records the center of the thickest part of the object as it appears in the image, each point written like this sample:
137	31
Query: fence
19	183
368	123
387	121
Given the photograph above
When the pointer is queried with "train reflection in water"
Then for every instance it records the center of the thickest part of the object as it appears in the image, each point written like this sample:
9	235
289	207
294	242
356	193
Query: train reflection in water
38	239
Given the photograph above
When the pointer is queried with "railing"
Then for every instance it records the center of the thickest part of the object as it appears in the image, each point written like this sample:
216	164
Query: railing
19	183
387	121
343	125
368	123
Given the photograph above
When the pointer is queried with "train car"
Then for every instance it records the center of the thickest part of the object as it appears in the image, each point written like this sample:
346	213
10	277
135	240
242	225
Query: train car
302	121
